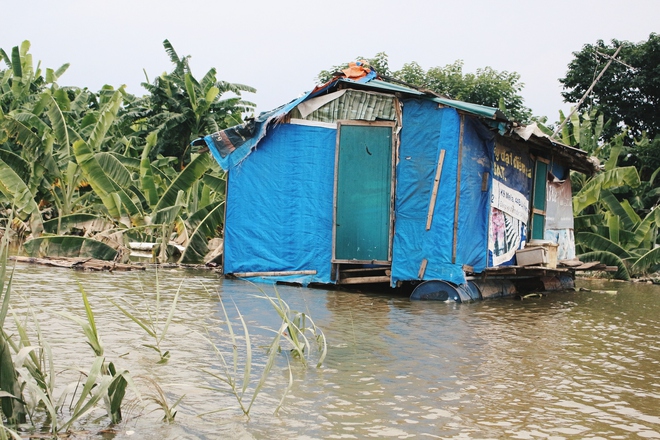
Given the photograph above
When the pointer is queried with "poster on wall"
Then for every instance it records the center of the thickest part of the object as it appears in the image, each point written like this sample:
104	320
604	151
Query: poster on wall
511	188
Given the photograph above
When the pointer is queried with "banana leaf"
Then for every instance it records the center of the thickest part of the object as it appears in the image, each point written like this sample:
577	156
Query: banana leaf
590	192
82	221
651	258
59	125
167	215
206	228
132	164
608	259
69	246
184	181
217	184
146	174
114	169
111	194
21	134
13	187
617	209
614	226
643	228
104	122
599	243
20	166
590	221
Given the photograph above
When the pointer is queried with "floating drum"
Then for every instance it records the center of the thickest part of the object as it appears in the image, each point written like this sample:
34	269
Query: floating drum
495	288
436	290
472	290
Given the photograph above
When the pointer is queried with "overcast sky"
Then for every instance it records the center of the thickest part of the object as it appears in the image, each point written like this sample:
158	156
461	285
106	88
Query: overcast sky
278	47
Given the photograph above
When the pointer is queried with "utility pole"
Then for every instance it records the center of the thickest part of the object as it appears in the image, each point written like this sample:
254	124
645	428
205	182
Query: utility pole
591	87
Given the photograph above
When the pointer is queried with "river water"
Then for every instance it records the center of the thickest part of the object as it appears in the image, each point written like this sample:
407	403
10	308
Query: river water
580	364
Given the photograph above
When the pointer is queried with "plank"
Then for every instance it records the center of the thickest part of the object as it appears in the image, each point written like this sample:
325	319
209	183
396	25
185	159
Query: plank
364	280
436	185
273	274
422	269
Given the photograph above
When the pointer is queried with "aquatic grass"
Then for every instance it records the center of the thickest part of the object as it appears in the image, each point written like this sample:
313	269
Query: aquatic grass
4	431
294	327
11	401
151	322
113	383
231	371
158	397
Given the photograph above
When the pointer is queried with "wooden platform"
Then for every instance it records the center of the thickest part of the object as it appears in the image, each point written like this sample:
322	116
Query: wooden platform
569	266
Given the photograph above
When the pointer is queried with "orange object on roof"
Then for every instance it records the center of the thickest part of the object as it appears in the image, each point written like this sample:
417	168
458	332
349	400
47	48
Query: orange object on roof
357	69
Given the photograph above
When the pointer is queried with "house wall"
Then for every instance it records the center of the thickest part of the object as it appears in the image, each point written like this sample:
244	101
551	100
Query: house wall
279	205
510	202
559	212
427	130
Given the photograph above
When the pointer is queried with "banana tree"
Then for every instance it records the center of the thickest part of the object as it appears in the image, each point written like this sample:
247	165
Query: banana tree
179	107
608	227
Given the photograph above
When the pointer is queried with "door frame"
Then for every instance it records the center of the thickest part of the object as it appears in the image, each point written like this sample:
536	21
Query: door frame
539	196
393	148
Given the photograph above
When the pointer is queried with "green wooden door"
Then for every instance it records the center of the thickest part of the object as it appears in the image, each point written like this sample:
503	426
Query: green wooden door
538	199
363	202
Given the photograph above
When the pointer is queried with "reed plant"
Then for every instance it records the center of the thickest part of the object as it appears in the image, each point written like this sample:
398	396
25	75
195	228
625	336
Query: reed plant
295	328
158	396
28	390
11	399
152	322
27	380
236	375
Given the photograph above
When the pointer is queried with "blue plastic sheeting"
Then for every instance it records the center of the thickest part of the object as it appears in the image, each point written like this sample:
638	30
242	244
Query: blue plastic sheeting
474	205
279	205
426	131
229	147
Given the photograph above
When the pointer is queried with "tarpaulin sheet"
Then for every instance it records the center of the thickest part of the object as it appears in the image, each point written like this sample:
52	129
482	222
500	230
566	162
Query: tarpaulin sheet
426	131
279	205
229	147
474	204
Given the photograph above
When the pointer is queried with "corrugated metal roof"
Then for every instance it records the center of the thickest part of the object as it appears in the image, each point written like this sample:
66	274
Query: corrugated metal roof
353	104
475	109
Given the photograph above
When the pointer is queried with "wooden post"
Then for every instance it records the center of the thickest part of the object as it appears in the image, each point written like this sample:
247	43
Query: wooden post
458	188
434	193
422	269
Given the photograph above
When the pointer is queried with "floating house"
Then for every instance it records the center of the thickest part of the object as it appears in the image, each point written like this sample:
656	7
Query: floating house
364	181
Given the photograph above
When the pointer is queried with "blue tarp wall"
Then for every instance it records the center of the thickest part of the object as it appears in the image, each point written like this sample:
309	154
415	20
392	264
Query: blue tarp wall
279	205
426	131
280	200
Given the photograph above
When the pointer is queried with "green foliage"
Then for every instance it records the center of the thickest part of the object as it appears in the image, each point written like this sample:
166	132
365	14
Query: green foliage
88	162
69	246
295	327
180	108
590	192
627	94
616	215
486	86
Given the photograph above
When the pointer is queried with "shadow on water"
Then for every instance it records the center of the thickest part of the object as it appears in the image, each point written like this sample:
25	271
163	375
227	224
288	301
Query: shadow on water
567	365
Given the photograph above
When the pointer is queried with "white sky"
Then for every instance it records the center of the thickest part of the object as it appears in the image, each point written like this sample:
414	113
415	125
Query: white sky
278	47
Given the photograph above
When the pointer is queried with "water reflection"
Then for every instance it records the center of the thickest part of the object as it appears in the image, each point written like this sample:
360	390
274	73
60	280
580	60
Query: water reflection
570	365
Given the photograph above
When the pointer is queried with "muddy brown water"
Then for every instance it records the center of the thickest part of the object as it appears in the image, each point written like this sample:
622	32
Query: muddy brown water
569	365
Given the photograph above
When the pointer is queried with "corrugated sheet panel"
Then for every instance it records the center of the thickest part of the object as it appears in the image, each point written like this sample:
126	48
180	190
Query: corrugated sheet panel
354	104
